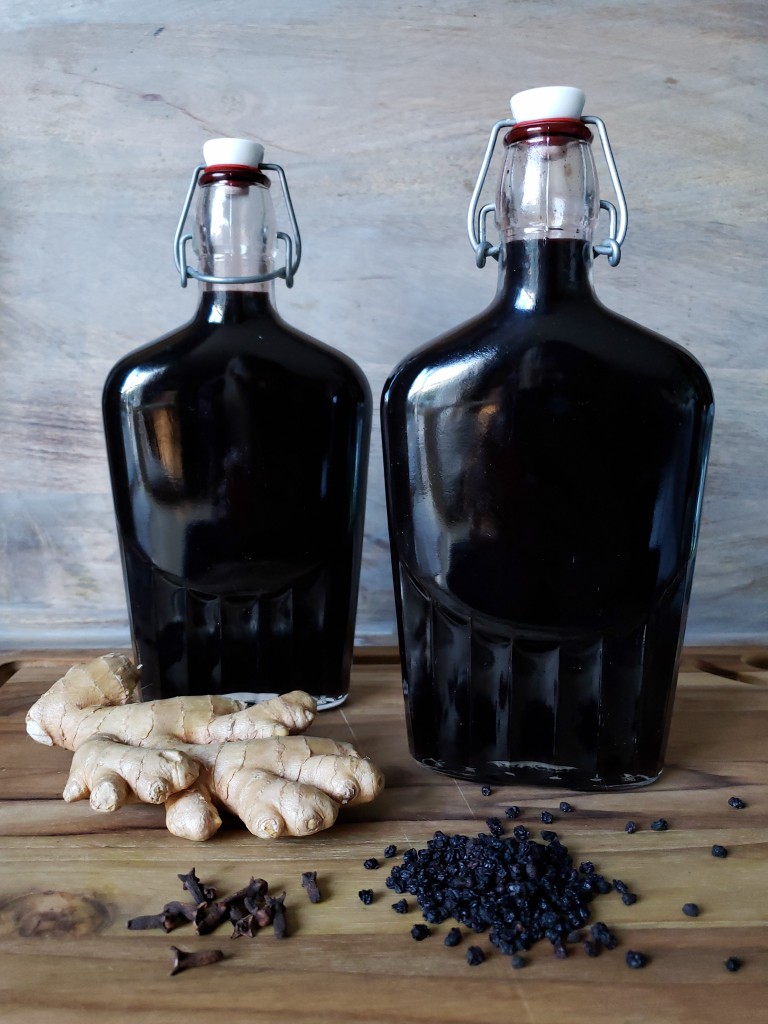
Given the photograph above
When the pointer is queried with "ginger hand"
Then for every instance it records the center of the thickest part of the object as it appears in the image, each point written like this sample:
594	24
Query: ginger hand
199	753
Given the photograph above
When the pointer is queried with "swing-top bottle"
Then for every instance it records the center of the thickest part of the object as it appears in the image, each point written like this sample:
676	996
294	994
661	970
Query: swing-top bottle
544	466
237	449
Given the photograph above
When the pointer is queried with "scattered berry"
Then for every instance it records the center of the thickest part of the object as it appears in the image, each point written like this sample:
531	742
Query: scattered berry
630	827
591	948
366	896
732	963
390	851
619	886
475	956
495	827
660	825
587	867
548	836
737	802
601	933
560	952
521	833
401	907
691	909
453	938
420	931
518	961
547	818
512	812
719	851
628	898
486	790
565	807
371	864
635	959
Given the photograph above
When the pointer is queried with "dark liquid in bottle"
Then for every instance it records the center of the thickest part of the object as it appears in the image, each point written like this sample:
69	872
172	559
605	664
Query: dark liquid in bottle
545	466
238	451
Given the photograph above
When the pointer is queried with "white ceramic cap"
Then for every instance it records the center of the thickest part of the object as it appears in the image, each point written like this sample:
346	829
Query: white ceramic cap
550	101
233	151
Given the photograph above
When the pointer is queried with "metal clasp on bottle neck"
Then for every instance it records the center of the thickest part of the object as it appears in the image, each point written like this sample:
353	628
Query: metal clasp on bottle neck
292	244
617	224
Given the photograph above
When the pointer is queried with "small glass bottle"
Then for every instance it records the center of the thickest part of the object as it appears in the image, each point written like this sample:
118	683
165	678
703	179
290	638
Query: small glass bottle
238	451
544	466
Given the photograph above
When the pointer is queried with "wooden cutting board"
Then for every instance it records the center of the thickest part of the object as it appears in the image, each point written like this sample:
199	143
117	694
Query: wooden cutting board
70	879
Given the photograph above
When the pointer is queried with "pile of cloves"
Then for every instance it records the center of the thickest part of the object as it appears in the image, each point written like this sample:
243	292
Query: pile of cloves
248	910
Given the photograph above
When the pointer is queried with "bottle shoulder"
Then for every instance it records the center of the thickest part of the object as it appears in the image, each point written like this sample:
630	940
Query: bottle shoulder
259	344
569	337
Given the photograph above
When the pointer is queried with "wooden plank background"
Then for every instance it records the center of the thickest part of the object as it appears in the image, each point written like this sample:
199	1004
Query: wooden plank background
380	114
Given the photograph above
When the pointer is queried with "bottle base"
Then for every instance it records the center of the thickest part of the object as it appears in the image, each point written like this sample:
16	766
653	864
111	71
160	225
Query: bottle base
324	703
527	773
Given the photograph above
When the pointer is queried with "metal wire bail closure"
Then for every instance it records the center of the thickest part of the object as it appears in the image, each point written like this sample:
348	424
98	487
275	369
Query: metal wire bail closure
292	244
617	224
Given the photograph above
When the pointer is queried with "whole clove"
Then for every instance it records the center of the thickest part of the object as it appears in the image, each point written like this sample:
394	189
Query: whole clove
200	893
162	920
183	961
209	916
277	906
309	881
186	911
247	925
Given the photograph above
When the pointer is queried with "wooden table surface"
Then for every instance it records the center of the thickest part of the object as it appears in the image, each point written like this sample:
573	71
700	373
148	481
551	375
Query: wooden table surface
70	879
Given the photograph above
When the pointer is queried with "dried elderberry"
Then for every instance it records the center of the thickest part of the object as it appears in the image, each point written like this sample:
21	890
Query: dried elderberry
635	959
453	938
371	864
518	961
628	898
691	909
602	934
512	812
547	818
486	790
401	907
565	807
475	956
719	851
390	851
733	963
366	897
660	825
737	802
495	827
420	931
630	827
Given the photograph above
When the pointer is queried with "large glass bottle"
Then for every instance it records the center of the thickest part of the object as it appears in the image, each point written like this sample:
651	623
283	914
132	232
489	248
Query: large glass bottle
238	451
544	467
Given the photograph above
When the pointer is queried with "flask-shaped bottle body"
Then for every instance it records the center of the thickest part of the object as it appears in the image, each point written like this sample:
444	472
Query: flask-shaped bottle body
544	466
238	453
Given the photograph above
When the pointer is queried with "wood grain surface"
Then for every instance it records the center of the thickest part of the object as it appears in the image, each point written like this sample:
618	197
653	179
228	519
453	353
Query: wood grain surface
71	879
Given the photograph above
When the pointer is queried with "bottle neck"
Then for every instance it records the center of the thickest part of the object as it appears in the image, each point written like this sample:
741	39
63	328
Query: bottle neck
538	273
547	207
235	236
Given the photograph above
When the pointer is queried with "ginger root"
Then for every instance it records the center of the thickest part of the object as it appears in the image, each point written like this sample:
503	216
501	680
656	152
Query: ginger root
196	754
